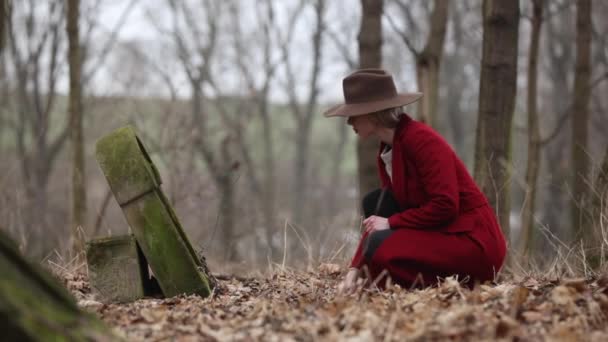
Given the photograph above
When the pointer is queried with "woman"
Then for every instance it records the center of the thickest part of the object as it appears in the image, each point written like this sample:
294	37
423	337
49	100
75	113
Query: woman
429	220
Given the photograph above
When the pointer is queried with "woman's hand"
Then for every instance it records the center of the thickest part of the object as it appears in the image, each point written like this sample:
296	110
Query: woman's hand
349	284
375	223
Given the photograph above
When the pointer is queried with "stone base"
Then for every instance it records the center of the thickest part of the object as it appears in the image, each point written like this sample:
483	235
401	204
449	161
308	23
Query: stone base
118	270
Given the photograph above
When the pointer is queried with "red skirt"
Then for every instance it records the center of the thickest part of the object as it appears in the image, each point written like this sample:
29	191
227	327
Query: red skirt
418	258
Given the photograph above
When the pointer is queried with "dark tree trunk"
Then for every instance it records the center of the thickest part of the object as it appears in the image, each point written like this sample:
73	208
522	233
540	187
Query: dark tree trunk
227	212
533	131
556	154
269	176
600	195
454	91
580	119
496	104
79	196
336	163
370	56
300	194
428	62
3	22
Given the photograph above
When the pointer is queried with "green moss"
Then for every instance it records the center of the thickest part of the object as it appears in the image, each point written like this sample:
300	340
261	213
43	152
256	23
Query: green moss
126	164
167	251
135	182
179	227
114	268
35	307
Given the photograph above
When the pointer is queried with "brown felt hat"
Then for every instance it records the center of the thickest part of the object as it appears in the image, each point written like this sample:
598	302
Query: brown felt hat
370	90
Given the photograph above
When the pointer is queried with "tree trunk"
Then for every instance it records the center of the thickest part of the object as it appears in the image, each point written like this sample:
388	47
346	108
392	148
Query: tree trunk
37	202
428	63
304	121
452	67
37	145
556	153
220	168
600	197
300	193
269	177
580	118
3	22
533	131
269	191
34	307
79	197
370	56
225	183
336	163
496	104
227	220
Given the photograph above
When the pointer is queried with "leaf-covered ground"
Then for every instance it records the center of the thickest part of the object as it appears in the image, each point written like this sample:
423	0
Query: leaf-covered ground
304	306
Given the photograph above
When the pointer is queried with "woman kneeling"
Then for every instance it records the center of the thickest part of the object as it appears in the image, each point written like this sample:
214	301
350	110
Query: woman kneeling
429	220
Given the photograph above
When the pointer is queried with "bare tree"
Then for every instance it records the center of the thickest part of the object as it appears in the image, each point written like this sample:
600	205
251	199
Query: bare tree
454	77
580	120
559	57
459	65
79	195
4	13
342	36
35	45
303	113
259	91
533	129
496	104
36	62
196	49
428	60
370	56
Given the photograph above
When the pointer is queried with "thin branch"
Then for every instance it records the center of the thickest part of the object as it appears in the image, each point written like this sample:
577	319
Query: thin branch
565	115
105	50
284	46
402	35
343	49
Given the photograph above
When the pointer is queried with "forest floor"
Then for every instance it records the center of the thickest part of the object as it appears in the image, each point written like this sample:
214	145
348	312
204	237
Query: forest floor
304	306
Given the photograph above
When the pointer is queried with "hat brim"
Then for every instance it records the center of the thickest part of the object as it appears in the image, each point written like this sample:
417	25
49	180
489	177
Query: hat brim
355	109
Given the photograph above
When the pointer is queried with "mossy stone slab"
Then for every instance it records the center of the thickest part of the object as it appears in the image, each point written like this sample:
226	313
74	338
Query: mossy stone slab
173	263
135	182
35	307
117	269
126	165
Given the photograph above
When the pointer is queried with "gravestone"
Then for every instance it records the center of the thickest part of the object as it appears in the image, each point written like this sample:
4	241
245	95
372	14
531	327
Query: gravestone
118	270
135	183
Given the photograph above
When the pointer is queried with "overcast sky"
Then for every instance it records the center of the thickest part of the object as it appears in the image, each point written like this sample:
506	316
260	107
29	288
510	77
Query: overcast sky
139	27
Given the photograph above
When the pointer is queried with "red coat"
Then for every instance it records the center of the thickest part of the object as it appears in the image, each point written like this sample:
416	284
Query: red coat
447	226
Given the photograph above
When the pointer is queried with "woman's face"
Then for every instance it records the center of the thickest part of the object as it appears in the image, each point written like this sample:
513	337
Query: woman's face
362	125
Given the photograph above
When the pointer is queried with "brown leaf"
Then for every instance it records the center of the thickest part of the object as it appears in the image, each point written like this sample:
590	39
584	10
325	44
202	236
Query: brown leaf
329	269
579	284
505	326
520	294
562	295
532	316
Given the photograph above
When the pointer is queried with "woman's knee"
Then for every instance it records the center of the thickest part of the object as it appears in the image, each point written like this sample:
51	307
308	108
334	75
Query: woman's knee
374	240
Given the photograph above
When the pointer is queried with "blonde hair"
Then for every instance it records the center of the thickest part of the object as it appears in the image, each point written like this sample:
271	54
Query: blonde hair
388	118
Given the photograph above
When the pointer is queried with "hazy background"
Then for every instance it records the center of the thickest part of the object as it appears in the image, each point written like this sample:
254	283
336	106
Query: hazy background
250	66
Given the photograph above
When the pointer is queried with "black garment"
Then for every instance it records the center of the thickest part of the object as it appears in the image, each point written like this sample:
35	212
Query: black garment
379	202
